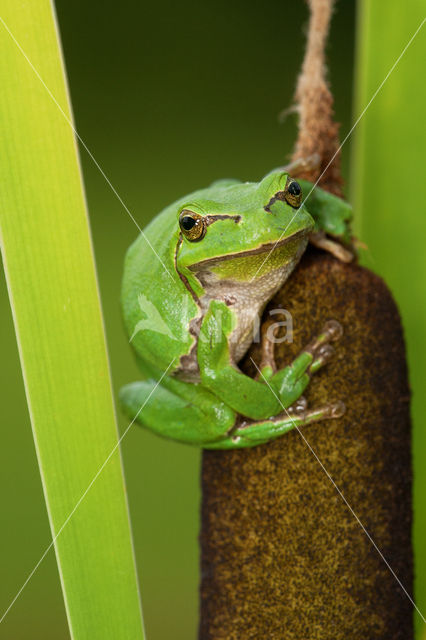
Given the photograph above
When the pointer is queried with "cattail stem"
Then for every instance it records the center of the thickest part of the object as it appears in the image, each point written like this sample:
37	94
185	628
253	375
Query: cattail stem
318	133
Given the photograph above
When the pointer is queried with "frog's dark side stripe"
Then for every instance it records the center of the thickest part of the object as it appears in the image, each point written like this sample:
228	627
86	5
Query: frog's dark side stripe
280	195
209	219
184	278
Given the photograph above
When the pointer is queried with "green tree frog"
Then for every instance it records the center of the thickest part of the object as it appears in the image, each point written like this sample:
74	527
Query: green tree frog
194	284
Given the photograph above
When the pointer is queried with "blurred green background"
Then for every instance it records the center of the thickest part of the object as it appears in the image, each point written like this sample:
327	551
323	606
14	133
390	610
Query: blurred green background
168	97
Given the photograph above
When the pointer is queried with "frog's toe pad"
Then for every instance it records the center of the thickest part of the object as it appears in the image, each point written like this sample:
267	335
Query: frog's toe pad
334	330
337	409
298	407
325	352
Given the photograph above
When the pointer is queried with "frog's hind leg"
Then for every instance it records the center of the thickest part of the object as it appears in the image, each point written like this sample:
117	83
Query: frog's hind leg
322	241
251	434
180	410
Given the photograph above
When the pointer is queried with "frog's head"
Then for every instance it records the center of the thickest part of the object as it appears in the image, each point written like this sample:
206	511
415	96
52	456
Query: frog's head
239	243
244	232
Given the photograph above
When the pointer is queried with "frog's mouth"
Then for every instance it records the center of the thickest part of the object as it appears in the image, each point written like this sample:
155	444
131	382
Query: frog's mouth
258	262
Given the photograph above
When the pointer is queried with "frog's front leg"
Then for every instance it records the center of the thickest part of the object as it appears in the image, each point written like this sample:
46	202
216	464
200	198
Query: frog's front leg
255	399
247	433
246	396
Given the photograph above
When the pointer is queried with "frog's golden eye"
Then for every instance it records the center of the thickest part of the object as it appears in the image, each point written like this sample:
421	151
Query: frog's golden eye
293	193
193	225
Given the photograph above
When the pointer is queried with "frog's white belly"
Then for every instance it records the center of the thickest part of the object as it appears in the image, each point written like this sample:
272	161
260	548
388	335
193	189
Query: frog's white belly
246	298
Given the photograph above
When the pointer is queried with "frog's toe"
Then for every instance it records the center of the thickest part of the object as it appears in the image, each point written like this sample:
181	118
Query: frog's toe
334	329
299	406
322	356
299	410
337	409
333	410
268	341
320	347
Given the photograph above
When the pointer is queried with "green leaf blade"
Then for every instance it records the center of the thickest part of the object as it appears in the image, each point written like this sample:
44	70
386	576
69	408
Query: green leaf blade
387	195
52	285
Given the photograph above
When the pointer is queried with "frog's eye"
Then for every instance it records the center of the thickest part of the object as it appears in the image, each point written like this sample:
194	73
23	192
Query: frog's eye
293	193
193	225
